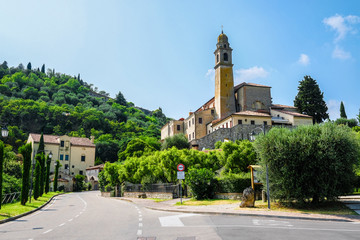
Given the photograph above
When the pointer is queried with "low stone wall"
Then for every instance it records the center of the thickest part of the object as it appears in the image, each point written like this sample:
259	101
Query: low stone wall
232	196
105	194
159	195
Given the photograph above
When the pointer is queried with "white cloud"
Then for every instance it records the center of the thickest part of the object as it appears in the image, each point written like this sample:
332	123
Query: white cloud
339	53
304	59
333	109
210	74
244	75
342	25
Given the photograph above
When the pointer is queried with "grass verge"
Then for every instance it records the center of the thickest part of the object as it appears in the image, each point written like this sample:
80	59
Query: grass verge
330	208
14	209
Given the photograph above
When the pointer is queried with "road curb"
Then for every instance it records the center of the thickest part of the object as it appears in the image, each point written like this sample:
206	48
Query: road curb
349	219
30	212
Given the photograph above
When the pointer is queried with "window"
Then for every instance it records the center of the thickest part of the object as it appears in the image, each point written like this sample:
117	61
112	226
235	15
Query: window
66	166
226	58
189	136
62	143
73	166
83	158
240	122
212	111
226	125
66	157
252	122
193	121
217	58
189	123
265	123
61	157
230	123
81	172
200	120
178	127
193	135
224	45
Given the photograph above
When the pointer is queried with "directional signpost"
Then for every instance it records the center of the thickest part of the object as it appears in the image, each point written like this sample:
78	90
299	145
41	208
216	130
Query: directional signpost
180	175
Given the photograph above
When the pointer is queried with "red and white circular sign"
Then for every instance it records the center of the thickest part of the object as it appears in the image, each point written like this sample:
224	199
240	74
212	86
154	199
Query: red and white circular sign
180	167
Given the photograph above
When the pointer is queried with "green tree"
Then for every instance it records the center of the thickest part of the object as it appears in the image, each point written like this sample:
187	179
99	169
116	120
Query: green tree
37	176
79	183
348	122
47	180
178	140
201	183
41	147
28	67
310	100
56	175
120	99
26	151
342	111
1	169
309	163
43	68
42	174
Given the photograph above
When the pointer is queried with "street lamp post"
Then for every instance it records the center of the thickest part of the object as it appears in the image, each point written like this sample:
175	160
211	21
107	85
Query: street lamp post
48	171
252	138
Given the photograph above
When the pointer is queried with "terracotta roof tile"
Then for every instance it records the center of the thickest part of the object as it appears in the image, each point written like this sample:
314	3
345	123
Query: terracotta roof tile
282	106
296	114
53	139
206	105
249	84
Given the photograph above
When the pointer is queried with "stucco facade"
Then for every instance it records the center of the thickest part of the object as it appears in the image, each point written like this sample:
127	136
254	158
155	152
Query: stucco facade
75	154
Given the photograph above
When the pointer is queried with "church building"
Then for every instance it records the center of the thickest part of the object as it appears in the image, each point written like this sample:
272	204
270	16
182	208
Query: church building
247	104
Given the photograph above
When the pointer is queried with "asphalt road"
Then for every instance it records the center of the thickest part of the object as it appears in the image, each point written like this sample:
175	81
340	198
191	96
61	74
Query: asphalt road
89	216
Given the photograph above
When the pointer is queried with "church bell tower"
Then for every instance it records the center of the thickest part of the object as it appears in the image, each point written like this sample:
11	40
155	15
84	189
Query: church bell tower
224	79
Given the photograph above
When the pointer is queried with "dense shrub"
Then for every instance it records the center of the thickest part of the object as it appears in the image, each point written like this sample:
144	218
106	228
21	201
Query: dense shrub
178	140
348	122
310	162
10	184
201	182
79	183
233	183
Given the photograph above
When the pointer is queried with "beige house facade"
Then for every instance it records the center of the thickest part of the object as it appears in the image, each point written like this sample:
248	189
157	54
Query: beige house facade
74	153
245	104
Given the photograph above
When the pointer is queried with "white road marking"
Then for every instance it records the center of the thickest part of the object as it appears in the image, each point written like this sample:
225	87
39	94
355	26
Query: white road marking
140	224
174	221
271	223
62	224
139	232
77	215
140	215
140	219
47	231
70	220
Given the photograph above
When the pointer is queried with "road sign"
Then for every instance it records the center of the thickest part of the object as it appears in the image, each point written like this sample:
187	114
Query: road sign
181	175
180	167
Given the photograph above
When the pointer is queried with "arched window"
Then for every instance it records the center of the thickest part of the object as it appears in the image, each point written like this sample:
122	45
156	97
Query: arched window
217	58
226	58
224	45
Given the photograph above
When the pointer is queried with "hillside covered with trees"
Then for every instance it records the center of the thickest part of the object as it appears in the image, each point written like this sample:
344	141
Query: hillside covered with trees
33	100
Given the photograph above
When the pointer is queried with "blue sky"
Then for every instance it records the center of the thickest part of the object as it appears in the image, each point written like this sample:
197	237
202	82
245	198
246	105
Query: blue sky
160	53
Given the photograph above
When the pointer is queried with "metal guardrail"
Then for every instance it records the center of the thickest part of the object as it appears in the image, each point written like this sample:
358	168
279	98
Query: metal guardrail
10	197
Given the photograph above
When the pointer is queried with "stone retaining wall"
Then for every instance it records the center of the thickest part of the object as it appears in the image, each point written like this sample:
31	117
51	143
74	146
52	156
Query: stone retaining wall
159	195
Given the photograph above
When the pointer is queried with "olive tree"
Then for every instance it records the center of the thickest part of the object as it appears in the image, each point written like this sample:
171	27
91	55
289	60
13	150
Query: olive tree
309	163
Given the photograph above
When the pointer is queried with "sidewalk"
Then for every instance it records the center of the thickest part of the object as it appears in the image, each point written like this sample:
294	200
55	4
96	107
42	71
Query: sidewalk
232	209
352	202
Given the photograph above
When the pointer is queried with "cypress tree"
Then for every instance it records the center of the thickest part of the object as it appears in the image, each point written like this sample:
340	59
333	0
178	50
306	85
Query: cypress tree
56	175
47	181
43	68
41	148
37	176
310	100
28	67
42	174
342	110
26	152
1	168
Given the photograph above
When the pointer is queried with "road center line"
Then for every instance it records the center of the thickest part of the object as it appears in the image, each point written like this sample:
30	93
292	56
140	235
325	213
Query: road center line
139	232
47	231
70	220
62	224
140	224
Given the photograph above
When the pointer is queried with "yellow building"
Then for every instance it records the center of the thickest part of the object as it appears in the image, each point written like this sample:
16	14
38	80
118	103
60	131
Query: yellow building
247	104
74	153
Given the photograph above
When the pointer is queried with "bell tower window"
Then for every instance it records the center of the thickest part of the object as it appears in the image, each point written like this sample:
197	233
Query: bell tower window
217	58
224	45
226	58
